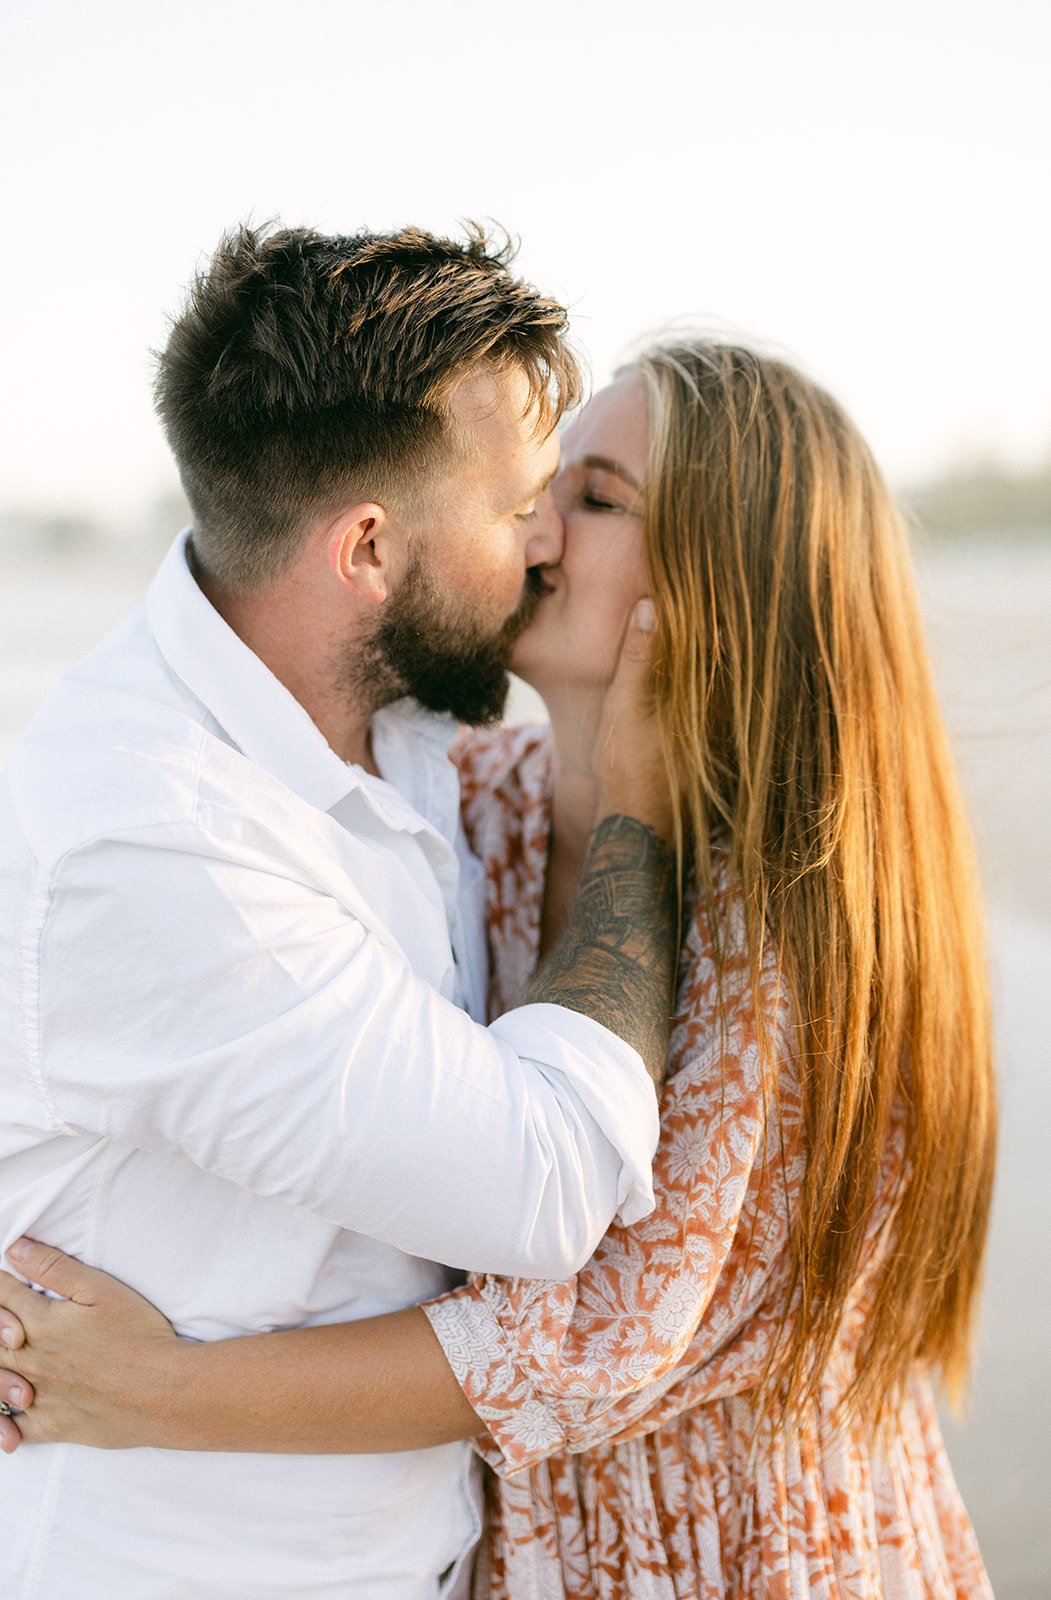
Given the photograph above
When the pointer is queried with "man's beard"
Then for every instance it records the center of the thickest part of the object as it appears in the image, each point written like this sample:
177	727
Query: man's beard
431	646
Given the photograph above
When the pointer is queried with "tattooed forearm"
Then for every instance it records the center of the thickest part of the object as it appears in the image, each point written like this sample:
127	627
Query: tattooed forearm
616	958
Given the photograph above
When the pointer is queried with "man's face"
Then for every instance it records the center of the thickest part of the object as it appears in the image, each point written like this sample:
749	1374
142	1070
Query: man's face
484	525
438	651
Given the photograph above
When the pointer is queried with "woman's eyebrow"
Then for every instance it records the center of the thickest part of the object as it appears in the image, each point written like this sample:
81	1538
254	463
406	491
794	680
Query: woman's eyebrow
607	464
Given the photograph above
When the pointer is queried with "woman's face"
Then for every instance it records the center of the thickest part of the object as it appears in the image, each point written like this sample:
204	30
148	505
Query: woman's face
573	640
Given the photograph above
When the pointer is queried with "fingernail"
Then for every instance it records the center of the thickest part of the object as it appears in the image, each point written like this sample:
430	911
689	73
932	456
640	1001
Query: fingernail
17	1395
644	617
19	1250
7	1336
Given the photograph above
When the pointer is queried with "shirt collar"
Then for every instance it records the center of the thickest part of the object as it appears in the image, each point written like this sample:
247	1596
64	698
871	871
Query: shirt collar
267	723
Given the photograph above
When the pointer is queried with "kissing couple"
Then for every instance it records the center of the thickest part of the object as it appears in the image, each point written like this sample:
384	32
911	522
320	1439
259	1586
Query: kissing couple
571	1144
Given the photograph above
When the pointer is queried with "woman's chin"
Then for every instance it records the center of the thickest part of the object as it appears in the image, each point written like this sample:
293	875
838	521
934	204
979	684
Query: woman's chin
543	670
541	677
524	669
527	656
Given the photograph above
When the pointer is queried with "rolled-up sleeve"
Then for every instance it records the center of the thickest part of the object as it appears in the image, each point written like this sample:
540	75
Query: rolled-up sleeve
246	1021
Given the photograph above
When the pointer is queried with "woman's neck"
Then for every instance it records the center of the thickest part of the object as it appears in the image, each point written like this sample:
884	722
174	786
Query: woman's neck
574	798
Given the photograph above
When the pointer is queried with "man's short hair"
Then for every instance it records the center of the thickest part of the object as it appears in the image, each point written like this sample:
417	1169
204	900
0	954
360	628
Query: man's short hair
306	370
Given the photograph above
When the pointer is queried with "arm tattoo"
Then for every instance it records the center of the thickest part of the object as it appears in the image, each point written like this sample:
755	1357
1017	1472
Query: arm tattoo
615	961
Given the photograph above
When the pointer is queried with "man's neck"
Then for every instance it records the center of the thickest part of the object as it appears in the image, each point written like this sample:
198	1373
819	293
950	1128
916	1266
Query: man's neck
301	659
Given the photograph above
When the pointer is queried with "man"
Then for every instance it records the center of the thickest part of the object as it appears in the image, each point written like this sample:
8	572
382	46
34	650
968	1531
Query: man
241	917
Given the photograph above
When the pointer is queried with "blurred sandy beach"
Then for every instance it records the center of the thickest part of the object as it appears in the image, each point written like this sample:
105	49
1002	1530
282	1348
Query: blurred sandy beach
988	607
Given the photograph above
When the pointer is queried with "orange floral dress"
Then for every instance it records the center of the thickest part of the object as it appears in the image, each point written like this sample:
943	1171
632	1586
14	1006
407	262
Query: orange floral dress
627	1460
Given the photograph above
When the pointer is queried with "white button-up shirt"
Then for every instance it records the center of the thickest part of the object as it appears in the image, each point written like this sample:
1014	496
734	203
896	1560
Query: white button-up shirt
234	1071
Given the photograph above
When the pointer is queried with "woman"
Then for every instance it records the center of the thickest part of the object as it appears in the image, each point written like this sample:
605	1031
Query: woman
732	1398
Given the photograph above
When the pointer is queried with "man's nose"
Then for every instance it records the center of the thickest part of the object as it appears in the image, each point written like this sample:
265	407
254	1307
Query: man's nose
547	534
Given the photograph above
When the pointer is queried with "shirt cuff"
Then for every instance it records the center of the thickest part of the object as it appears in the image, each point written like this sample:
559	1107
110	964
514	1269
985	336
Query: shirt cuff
608	1078
522	1430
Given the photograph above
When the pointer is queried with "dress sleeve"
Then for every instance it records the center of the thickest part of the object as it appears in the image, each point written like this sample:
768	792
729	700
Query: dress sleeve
680	1307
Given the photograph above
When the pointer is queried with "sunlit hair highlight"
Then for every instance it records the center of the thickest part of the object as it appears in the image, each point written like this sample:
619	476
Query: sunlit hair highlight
801	730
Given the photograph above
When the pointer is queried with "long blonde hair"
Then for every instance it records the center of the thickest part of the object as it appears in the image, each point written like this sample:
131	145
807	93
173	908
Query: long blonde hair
800	724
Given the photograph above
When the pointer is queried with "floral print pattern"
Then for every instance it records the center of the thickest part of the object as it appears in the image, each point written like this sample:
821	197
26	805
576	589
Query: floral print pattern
631	1460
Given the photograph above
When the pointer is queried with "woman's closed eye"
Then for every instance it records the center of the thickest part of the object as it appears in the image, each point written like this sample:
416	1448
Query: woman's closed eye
605	493
597	492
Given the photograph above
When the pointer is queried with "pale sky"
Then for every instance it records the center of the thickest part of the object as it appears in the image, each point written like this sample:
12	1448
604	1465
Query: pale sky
865	185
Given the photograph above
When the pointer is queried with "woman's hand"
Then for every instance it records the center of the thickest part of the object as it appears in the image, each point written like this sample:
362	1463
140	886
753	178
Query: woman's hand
615	958
93	1367
629	758
103	1367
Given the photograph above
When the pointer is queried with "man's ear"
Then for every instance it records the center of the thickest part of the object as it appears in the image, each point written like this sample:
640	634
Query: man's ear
361	550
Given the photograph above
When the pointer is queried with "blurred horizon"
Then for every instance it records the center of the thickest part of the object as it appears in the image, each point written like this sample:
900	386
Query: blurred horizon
980	497
854	183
